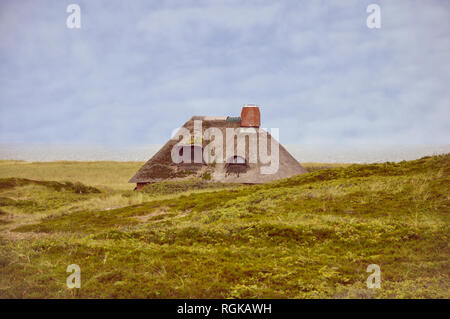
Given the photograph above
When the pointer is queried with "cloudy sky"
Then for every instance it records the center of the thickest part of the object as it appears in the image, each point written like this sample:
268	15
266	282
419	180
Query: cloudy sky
138	69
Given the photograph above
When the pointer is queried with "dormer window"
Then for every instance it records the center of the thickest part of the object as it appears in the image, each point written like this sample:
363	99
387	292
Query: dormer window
236	160
236	165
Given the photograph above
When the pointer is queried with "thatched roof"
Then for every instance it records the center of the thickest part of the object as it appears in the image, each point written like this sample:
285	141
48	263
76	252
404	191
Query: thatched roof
161	167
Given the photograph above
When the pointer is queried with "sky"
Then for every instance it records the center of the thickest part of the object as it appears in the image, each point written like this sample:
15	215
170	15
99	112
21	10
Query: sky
136	70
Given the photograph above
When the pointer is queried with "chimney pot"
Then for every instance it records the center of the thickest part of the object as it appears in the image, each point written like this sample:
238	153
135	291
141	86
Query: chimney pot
250	116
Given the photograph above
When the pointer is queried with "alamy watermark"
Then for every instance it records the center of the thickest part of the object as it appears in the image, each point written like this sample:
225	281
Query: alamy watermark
374	280
373	21
228	149
74	279
74	19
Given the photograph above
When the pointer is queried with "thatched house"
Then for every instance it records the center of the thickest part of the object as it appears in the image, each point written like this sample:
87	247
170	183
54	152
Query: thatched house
223	149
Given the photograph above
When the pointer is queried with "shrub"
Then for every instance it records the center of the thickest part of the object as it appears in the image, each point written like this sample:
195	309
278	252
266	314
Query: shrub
206	176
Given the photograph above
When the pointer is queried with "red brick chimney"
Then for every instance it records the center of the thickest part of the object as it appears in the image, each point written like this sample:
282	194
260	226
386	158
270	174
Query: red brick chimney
250	116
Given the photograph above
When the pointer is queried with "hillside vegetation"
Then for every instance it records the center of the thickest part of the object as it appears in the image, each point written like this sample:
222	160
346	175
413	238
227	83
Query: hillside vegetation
309	236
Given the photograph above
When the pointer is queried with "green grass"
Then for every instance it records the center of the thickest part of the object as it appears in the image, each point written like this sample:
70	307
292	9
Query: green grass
309	236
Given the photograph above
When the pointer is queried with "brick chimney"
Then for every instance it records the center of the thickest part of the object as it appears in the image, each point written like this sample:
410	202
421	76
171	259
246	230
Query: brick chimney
250	116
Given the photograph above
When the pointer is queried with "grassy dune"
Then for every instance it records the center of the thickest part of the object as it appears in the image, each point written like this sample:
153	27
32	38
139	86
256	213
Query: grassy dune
309	236
98	174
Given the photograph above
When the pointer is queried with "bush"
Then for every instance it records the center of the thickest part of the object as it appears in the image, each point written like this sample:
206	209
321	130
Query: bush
206	176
